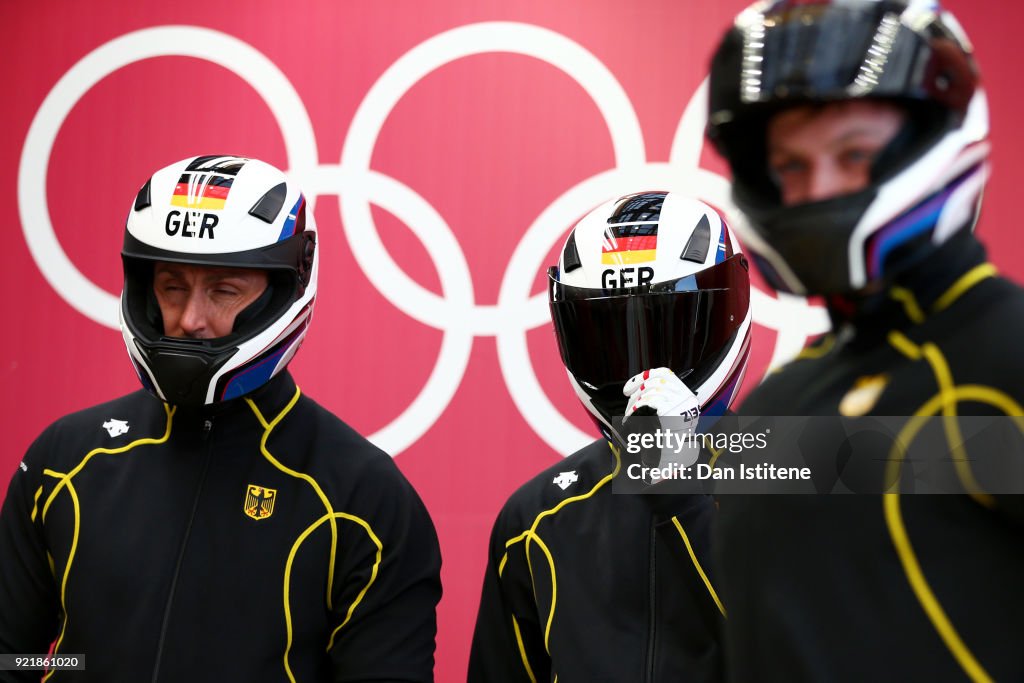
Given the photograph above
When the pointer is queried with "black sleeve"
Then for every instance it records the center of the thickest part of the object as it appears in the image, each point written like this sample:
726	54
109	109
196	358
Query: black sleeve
508	641
387	583
29	607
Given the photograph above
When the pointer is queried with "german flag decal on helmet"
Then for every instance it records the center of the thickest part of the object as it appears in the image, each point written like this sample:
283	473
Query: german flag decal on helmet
625	244
201	191
207	186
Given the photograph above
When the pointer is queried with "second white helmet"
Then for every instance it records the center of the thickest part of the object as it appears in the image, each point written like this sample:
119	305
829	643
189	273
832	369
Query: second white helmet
649	280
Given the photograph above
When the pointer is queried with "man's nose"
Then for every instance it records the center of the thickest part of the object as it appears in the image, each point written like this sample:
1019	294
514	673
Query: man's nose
195	317
827	180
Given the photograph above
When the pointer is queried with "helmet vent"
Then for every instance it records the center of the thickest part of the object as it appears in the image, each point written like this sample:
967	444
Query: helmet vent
571	256
699	243
269	205
142	199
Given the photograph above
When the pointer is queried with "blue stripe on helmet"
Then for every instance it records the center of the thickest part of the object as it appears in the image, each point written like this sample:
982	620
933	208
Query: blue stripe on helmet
288	229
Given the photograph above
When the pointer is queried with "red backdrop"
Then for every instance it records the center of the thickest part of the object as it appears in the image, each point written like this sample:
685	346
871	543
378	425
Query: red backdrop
449	148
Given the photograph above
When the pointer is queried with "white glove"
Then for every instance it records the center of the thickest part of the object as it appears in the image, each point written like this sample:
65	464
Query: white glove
662	391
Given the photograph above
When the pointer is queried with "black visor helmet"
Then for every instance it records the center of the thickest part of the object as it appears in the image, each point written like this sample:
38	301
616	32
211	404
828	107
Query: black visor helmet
650	280
924	186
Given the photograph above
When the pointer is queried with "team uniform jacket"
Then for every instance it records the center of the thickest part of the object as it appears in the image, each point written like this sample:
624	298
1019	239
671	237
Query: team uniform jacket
583	585
887	587
261	541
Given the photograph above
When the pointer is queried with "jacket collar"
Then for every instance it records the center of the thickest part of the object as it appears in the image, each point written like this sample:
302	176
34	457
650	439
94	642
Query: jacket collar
910	298
269	400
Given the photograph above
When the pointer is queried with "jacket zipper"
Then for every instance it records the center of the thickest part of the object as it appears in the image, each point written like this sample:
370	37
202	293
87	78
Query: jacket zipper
207	428
653	604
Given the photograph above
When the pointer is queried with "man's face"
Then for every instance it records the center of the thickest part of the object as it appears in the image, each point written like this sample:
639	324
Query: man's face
817	152
201	302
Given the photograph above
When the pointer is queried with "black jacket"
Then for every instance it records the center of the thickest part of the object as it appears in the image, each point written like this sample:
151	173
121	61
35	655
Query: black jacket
263	540
819	588
588	586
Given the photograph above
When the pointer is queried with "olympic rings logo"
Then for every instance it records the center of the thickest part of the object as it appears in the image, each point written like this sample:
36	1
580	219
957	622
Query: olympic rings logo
455	312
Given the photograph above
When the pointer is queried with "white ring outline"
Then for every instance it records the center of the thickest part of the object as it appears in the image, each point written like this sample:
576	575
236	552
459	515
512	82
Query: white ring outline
180	41
487	37
364	240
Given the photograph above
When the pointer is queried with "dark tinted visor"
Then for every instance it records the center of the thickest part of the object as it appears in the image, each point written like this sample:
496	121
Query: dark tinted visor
607	336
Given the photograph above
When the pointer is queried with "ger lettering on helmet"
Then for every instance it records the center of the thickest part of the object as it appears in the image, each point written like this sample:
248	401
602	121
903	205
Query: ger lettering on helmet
649	280
924	186
225	212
